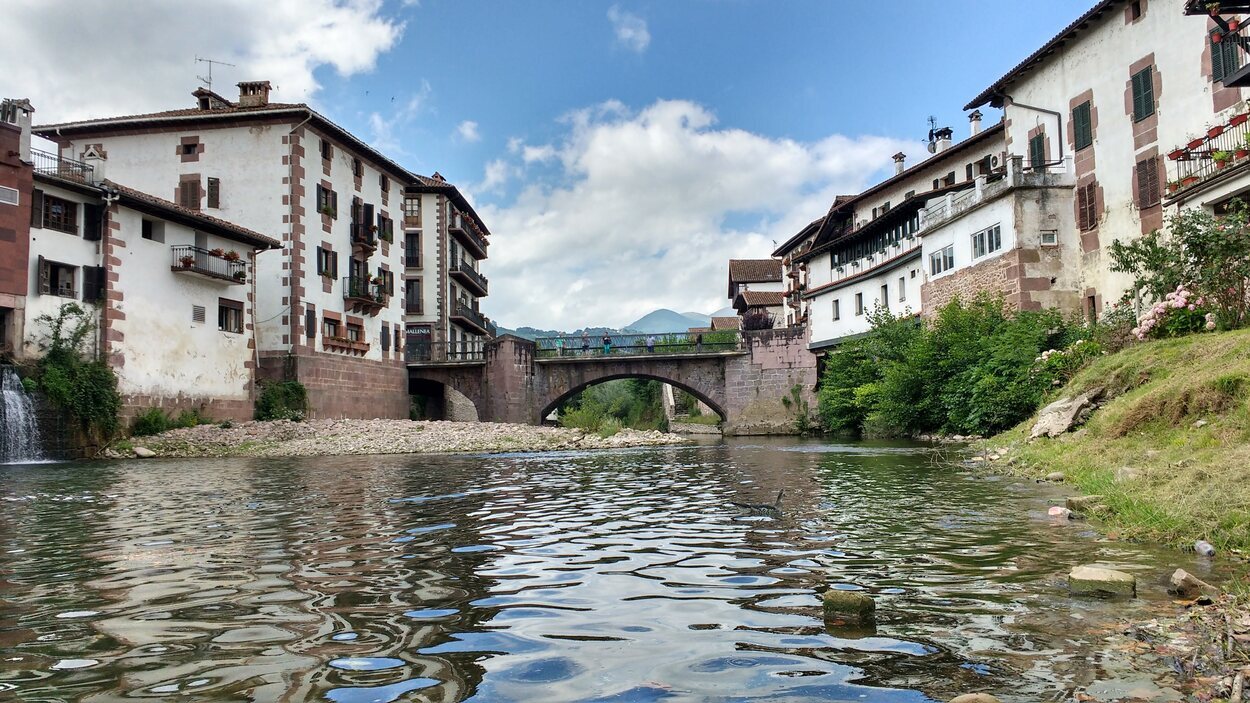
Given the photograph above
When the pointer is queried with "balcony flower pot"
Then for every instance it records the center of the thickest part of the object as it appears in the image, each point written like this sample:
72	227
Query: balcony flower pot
1213	132
1189	180
1238	120
1234	25
1173	186
1221	158
231	256
1216	37
1213	8
219	253
1176	154
240	276
187	261
1196	142
1241	153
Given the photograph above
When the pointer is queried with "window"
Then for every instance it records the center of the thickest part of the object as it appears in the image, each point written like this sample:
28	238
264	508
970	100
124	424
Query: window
1086	207
9	196
56	278
230	315
330	328
412	250
968	172
412	296
189	149
1037	151
902	289
987	241
885	296
327	202
385	337
837	310
1134	10
327	263
909	195
384	182
1143	94
942	260
60	215
1148	182
327	150
153	231
214	192
859	303
1225	58
198	314
949	180
310	322
1082	126
355	333
189	194
93	283
412	212
358	168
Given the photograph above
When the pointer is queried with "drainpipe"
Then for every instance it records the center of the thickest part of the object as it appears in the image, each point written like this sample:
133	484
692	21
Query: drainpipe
1008	100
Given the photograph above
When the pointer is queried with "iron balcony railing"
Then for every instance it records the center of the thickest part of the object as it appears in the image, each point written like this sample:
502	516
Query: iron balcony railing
573	346
468	275
56	165
412	256
362	289
467	316
414	307
463	231
213	264
419	352
1220	148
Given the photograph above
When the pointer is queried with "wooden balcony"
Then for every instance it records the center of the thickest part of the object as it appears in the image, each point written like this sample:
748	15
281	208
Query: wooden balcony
463	231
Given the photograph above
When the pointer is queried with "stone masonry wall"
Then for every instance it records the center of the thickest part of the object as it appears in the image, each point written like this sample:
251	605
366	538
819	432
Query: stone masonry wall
340	386
755	384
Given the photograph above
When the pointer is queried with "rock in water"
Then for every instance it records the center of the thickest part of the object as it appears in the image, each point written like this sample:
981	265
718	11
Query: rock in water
849	606
144	453
1204	548
975	698
1085	580
1064	414
1187	585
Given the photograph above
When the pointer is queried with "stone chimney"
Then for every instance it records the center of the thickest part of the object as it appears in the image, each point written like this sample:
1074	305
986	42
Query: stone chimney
942	139
974	122
16	113
899	158
94	157
254	94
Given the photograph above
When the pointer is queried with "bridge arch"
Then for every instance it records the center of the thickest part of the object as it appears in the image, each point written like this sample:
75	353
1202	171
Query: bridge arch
440	396
713	403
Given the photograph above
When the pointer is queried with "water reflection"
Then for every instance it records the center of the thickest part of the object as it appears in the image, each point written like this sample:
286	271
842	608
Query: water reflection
619	576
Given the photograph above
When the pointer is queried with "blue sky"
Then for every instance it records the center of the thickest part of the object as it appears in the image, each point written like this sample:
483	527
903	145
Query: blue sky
621	152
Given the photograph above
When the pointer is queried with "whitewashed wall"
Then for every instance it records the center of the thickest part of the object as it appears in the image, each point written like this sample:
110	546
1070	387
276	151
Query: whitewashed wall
825	329
62	247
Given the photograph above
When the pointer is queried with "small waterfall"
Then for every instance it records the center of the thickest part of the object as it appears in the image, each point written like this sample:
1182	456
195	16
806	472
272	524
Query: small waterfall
19	430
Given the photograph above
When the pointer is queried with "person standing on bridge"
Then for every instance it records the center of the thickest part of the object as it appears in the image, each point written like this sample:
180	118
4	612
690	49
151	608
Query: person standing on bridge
585	343
607	344
651	344
560	345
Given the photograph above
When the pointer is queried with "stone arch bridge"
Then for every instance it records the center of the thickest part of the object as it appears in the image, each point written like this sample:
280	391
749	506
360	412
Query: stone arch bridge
751	384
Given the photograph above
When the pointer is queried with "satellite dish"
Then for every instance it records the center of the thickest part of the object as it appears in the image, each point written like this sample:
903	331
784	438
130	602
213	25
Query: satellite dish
932	148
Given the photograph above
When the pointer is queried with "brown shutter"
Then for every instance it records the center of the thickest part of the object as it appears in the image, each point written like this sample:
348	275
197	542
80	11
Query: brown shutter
93	223
334	204
334	269
386	337
36	208
310	323
45	276
93	284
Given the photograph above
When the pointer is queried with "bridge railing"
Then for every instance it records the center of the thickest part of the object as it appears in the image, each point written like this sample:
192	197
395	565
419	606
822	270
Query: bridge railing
574	346
420	352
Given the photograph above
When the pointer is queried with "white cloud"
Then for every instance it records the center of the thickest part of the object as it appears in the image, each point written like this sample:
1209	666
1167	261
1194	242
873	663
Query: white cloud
631	30
467	131
383	127
496	174
644	209
143	55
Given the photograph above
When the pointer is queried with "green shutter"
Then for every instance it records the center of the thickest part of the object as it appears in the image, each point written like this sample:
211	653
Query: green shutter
1218	71
1225	59
1037	151
1082	126
1143	94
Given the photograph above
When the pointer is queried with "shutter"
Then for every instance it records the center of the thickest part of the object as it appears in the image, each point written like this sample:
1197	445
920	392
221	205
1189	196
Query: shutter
92	284
36	208
1083	126
1232	57
386	337
45	275
1037	151
93	223
310	323
334	267
1218	70
334	204
214	192
1152	178
1143	94
321	198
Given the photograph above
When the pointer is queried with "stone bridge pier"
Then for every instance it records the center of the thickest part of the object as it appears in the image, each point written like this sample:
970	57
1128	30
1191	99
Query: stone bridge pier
761	388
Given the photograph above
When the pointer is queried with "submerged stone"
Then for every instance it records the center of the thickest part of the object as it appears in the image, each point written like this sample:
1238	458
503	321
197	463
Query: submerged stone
1093	580
851	606
144	453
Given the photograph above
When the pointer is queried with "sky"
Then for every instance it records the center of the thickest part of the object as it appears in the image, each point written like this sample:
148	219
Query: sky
620	152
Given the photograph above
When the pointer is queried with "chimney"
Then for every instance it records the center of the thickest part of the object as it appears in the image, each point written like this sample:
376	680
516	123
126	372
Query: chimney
17	113
254	94
899	158
942	140
974	121
94	157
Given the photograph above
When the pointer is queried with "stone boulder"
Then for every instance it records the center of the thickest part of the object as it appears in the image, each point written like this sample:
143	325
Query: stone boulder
1055	477
975	698
1064	414
1097	580
848	606
144	453
1186	585
1084	504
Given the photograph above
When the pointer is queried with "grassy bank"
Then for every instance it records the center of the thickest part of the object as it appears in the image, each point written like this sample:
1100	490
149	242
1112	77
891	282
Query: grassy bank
1169	448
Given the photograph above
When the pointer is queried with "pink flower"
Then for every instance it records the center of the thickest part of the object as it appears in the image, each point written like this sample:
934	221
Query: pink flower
1210	326
1192	307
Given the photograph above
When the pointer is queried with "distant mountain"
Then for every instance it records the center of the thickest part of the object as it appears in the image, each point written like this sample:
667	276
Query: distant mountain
665	320
725	312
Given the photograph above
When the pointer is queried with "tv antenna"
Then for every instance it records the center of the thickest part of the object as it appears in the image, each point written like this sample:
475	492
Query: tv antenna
932	134
208	81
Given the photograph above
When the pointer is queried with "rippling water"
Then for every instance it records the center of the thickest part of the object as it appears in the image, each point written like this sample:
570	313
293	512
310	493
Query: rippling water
621	576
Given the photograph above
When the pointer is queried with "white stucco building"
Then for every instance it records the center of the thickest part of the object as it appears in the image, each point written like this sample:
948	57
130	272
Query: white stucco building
334	306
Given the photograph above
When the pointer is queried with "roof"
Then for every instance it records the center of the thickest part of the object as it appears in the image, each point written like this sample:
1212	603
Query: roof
808	230
438	184
847	206
993	94
293	112
726	323
754	270
760	298
205	223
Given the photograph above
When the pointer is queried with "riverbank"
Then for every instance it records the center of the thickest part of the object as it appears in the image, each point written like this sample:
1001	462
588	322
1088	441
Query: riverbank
280	438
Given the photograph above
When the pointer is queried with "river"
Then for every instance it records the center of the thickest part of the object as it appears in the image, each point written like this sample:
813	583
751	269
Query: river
588	576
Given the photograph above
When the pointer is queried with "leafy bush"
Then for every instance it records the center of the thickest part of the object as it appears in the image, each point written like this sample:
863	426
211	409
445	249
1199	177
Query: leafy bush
282	400
757	320
149	422
85	388
1180	313
29	385
190	418
1208	253
977	368
632	403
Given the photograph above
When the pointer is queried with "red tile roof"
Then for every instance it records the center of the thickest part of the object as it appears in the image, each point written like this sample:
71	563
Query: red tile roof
206	223
761	298
754	270
726	323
